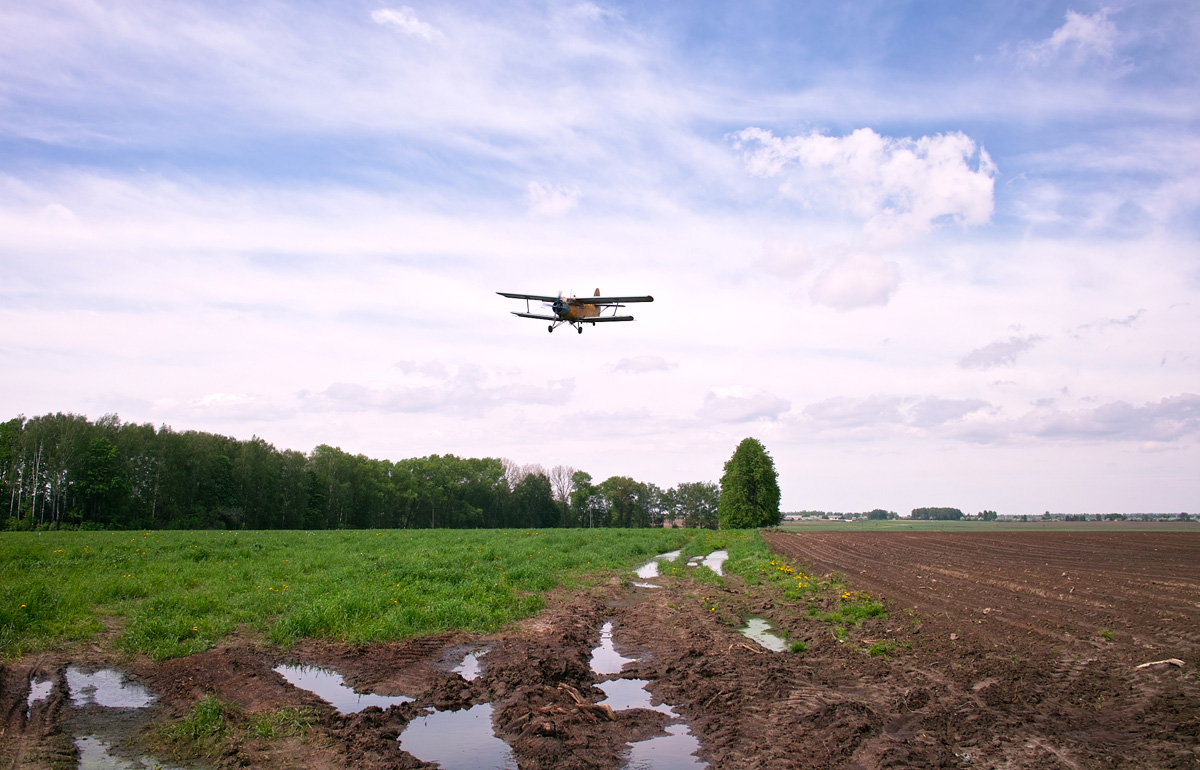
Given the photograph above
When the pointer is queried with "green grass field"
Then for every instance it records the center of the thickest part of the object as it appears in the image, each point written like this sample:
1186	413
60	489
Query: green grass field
176	593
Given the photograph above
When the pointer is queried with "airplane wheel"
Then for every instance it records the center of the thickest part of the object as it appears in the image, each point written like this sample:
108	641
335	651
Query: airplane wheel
579	329
549	328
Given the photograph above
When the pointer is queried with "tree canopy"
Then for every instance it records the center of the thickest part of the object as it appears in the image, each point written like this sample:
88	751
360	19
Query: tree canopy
62	470
937	514
749	489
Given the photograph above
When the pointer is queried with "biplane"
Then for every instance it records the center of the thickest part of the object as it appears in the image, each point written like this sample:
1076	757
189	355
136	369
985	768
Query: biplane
576	311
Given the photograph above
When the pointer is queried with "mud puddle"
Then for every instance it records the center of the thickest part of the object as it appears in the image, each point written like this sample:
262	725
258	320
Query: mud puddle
605	658
106	710
458	740
471	666
673	751
715	561
759	630
649	570
94	755
329	687
106	688
39	690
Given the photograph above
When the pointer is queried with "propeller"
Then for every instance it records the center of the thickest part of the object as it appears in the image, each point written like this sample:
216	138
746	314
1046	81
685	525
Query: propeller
560	306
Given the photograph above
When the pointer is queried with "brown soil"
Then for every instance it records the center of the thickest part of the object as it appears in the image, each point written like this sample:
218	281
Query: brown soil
996	657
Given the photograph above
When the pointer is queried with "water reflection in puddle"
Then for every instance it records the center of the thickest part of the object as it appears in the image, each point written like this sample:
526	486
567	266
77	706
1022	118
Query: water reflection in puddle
38	690
105	688
760	631
329	687
673	751
605	658
458	740
93	755
714	561
470	667
630	694
650	568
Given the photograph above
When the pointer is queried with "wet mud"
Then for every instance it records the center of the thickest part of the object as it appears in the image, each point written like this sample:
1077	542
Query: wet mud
996	652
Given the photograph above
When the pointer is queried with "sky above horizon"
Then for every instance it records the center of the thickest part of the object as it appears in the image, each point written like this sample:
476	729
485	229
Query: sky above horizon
929	253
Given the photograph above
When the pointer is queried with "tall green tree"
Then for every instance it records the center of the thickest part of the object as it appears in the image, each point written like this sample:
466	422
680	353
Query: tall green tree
695	503
749	489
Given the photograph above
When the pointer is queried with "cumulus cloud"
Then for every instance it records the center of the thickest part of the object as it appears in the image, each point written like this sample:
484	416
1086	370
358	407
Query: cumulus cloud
979	422
642	364
741	404
1169	419
879	415
469	391
1080	38
405	20
893	184
546	200
850	413
856	281
931	412
1000	353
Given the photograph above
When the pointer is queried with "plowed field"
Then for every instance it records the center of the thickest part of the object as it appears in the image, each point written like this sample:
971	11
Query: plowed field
999	650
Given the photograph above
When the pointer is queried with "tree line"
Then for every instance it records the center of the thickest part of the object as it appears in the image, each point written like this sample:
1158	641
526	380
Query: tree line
62	470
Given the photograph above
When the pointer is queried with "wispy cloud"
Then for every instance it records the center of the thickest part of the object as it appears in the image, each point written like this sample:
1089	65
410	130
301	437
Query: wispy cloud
1080	38
405	20
469	391
547	200
999	353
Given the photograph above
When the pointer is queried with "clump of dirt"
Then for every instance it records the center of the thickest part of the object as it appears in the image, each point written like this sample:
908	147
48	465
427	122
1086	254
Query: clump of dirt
992	657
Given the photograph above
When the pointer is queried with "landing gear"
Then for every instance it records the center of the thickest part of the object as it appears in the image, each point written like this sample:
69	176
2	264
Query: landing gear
579	329
550	328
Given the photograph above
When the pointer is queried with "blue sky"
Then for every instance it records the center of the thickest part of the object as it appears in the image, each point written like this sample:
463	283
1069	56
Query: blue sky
928	253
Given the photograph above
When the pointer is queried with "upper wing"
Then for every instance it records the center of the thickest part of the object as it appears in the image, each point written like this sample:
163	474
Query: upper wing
528	296
611	300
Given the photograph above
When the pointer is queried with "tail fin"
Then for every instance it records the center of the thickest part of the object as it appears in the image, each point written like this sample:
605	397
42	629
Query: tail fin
597	294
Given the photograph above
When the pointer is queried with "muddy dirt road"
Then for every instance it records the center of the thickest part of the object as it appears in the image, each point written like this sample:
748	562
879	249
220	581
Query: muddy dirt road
1004	650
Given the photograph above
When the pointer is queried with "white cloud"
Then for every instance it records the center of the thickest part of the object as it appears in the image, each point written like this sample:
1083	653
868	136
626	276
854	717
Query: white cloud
742	404
856	281
546	200
470	391
904	186
1000	353
1080	38
405	19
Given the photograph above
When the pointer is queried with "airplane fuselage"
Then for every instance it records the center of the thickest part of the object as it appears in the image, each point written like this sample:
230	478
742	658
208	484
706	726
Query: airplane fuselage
573	310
